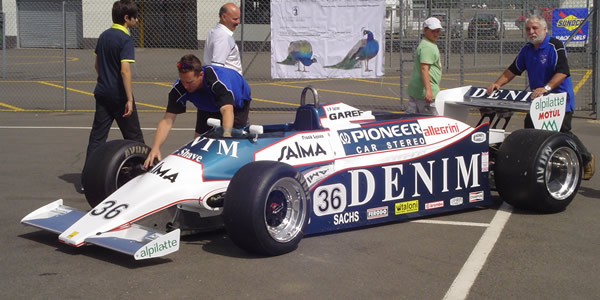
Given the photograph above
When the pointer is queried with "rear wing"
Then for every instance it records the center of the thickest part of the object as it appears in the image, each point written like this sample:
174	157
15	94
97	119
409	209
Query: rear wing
547	112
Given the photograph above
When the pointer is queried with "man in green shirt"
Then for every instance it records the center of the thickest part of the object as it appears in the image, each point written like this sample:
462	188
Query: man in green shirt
425	79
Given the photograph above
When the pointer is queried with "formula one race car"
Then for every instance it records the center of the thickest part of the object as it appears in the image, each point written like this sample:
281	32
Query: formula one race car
335	167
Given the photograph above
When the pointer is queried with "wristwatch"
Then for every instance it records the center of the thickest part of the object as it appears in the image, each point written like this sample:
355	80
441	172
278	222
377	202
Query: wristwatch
547	88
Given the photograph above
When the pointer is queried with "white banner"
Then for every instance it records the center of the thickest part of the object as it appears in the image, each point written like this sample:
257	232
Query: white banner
327	38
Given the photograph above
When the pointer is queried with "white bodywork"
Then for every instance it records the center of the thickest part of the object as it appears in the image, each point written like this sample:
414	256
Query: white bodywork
454	103
111	223
179	181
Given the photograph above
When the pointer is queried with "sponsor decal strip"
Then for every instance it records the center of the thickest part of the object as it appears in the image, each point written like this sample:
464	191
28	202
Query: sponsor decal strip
284	140
387	163
377	212
301	149
434	205
157	248
465	132
406	207
419	172
188	158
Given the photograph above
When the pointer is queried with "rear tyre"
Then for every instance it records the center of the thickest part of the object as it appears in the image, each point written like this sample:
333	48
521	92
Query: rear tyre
266	208
538	170
110	166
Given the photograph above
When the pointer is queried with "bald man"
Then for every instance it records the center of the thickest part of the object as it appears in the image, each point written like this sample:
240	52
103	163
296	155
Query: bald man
220	48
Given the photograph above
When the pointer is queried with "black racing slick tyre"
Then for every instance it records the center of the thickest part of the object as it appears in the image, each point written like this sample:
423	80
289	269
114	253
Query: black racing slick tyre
538	170
110	166
266	208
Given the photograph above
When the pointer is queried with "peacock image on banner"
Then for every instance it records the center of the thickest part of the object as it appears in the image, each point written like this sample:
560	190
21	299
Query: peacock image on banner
327	39
565	20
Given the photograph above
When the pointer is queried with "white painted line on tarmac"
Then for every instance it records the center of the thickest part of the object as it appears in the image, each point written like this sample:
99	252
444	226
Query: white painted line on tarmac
456	223
75	127
466	277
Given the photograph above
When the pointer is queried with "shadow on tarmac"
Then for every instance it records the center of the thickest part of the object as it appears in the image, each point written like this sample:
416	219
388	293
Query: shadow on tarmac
216	242
589	192
92	251
75	179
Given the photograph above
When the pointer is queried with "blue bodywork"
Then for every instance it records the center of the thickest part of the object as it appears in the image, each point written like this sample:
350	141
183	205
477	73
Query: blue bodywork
455	177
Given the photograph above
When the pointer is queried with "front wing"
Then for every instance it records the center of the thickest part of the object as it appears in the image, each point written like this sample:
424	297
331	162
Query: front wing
139	241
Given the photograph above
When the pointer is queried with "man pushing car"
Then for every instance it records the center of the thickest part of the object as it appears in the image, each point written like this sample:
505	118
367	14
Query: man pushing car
217	92
545	60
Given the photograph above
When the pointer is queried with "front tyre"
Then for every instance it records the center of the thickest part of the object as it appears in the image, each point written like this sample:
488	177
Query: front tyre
538	170
266	208
110	166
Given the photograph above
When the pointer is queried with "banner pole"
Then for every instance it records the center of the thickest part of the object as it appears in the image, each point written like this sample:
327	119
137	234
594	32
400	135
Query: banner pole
64	15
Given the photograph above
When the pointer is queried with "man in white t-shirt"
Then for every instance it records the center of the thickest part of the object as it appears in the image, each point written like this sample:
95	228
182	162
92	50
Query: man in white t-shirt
220	48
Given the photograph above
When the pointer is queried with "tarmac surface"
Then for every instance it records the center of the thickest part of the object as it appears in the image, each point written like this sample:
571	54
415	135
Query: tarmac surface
34	81
487	253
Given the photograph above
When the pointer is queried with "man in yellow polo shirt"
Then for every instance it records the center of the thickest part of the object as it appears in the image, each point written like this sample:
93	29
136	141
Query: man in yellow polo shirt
114	97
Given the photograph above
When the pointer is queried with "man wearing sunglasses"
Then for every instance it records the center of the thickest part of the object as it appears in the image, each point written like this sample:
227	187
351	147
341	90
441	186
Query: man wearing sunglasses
217	92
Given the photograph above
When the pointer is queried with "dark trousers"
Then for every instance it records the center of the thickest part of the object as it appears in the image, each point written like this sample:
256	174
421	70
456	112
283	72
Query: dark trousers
108	110
566	128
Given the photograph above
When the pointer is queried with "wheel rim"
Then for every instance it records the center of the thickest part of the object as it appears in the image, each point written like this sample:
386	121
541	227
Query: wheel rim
285	210
562	173
130	168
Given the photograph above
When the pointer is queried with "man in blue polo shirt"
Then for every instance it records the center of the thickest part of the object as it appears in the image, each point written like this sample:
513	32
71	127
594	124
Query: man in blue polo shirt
545	59
218	92
114	97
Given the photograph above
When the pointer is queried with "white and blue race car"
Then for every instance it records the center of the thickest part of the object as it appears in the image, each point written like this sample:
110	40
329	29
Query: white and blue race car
335	167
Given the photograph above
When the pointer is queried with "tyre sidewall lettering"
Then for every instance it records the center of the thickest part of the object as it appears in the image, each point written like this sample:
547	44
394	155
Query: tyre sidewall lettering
522	170
541	164
101	173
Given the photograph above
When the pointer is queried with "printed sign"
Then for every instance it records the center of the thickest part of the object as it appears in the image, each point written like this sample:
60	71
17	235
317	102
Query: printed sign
299	149
548	112
160	246
565	20
505	95
337	113
382	137
327	39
